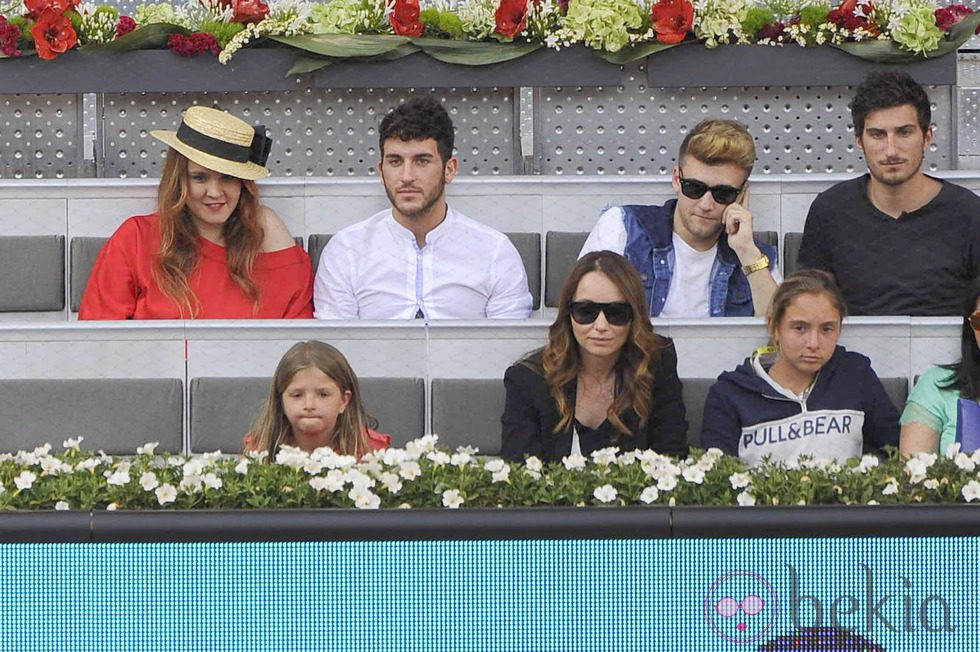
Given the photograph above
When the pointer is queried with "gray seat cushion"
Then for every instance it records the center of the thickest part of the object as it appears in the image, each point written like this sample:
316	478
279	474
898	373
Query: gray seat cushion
114	415
561	252
33	271
466	412
791	253
528	245
315	245
224	409
83	252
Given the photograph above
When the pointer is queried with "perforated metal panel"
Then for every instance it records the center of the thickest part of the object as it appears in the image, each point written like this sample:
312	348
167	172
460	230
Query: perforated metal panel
633	129
40	136
316	132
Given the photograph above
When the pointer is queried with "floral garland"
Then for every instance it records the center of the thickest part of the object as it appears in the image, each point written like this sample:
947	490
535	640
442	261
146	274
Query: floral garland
424	475
620	30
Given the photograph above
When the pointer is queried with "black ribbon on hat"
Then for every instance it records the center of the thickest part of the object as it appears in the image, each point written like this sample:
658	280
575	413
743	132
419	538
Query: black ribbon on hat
258	152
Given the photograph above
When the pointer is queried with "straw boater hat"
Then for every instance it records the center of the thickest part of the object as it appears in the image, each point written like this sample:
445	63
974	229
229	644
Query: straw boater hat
221	142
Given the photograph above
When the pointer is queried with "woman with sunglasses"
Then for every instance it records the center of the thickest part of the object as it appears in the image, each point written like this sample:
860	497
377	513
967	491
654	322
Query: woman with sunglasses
603	379
929	421
803	394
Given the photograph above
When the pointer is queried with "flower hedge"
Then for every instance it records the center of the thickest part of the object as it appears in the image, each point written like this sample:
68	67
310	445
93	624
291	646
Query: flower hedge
476	32
424	475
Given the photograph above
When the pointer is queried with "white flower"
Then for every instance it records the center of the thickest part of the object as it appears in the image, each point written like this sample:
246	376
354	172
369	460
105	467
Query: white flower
573	462
292	457
409	470
242	467
417	447
890	489
439	458
72	442
605	456
461	459
51	465
405	506
25	480
212	481
467	450
533	464
88	464
336	480
953	449
194	467
391	482
667	482
971	491
364	498
149	481
166	494
118	478
147	448
61	505
867	463
745	499
358	480
111	507
451	498
739	480
693	474
916	468
964	462
873	502
650	495
190	484
312	466
499	470
319	483
605	494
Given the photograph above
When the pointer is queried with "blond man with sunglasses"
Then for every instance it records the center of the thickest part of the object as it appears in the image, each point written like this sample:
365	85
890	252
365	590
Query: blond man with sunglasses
697	253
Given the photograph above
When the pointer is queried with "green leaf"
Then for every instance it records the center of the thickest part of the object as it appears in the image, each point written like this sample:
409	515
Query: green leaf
633	53
890	52
147	37
345	46
473	53
302	65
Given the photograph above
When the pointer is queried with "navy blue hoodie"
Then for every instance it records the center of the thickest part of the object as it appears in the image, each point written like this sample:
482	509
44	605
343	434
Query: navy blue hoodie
847	412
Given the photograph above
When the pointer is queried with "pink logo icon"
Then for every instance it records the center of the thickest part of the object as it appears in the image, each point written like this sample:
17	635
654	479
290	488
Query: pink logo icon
735	609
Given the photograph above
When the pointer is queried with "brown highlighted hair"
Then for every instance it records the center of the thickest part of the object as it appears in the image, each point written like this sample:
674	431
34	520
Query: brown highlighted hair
273	430
807	281
180	249
717	142
637	360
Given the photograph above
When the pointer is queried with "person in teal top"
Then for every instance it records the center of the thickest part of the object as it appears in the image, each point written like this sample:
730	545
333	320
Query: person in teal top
929	420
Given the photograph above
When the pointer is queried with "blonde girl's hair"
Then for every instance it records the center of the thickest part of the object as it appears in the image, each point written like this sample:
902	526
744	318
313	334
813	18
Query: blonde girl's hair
272	429
806	281
637	361
180	248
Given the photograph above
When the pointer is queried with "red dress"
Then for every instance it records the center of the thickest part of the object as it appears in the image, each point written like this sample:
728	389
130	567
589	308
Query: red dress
122	285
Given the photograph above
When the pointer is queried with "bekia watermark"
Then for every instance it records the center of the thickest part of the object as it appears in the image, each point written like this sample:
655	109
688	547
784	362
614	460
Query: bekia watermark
741	606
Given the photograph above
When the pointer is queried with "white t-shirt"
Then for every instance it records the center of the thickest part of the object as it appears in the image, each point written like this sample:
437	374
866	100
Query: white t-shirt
375	270
690	284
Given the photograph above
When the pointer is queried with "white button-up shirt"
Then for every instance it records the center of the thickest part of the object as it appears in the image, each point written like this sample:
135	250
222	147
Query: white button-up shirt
375	270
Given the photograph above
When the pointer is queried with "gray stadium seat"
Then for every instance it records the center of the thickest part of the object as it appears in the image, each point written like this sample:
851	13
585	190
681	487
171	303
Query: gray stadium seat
561	252
315	244
466	412
528	245
82	254
114	415
33	271
791	253
770	238
223	409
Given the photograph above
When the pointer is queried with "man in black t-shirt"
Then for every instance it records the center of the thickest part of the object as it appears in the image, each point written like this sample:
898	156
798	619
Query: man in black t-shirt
899	242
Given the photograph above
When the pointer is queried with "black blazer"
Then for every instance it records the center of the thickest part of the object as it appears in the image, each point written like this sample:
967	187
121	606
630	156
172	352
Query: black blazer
531	414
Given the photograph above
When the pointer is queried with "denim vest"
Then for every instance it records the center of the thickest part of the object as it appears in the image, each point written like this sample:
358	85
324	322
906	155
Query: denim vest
650	247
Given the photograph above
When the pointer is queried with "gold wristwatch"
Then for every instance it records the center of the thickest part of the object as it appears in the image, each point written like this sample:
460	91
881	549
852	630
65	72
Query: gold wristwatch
762	263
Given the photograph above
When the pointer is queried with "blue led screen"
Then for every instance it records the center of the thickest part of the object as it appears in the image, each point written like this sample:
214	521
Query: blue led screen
895	594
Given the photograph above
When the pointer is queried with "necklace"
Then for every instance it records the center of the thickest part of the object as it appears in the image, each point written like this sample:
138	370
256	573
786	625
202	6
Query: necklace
602	389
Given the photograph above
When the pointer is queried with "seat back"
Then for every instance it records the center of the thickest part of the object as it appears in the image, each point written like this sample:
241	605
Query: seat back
224	409
82	254
791	252
33	271
561	252
114	415
694	391
466	412
314	246
528	245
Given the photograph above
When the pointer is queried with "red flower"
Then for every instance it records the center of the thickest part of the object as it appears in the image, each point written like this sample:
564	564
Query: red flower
672	20
53	34
511	17
196	43
9	36
37	7
949	16
125	25
249	11
404	18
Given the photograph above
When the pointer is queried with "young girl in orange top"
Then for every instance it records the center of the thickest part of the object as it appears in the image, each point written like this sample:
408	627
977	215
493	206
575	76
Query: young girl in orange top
315	401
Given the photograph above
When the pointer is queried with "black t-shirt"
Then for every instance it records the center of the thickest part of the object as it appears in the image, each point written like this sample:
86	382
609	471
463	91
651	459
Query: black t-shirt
921	263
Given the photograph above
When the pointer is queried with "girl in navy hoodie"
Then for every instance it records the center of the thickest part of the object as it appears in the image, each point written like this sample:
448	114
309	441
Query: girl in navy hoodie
814	399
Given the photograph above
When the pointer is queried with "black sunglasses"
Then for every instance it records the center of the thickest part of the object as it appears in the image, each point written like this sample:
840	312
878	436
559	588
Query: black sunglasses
586	312
694	189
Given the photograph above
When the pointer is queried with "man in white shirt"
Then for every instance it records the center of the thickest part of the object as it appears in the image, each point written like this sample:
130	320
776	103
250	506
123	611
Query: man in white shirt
420	258
697	254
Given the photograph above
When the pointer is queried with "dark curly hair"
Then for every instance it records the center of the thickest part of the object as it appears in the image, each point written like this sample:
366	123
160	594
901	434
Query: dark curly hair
884	89
966	372
418	119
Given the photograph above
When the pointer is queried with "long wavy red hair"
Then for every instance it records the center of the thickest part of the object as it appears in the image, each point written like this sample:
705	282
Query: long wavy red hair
180	248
